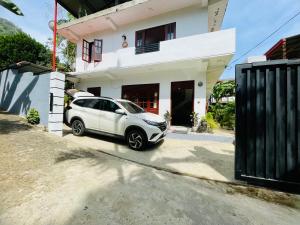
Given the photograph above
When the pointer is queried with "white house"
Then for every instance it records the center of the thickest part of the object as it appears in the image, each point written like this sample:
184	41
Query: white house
165	55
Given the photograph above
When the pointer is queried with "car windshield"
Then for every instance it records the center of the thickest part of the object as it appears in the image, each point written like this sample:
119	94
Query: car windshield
131	107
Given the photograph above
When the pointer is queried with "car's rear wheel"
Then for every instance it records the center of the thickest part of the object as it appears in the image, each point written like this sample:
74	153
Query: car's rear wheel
136	140
78	127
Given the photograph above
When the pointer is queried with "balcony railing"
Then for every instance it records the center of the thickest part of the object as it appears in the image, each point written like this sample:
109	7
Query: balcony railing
155	47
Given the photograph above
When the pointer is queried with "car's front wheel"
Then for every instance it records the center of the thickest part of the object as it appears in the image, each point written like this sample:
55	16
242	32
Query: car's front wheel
78	127
136	140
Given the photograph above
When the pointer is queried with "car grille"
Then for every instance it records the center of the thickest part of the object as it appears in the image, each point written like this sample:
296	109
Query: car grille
162	126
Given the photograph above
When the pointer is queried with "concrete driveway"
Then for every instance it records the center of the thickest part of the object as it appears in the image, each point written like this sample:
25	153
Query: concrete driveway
201	156
47	180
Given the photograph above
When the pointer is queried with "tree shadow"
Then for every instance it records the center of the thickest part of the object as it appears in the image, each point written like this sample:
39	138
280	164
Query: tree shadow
146	196
196	161
141	196
74	155
222	163
12	125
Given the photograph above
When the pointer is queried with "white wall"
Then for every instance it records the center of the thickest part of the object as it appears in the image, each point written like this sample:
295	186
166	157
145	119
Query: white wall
190	21
113	88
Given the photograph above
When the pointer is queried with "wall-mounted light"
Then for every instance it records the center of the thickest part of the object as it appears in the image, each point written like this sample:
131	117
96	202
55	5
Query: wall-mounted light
200	84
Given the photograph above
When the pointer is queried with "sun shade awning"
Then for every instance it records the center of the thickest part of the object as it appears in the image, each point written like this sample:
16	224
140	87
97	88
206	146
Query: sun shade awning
79	8
24	67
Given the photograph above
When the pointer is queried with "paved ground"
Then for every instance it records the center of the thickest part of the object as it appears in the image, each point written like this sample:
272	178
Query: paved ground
203	137
204	156
45	180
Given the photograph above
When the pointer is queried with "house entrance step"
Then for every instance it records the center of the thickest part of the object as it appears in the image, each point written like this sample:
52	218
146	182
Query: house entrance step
180	129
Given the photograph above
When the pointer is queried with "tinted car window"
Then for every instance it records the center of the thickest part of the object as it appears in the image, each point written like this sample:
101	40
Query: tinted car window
92	103
79	102
131	107
109	106
88	103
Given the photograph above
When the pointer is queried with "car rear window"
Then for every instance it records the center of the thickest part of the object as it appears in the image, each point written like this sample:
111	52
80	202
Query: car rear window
88	103
79	102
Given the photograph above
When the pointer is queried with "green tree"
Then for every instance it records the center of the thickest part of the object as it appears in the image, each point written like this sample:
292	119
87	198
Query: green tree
223	89
7	27
21	47
223	113
11	7
65	48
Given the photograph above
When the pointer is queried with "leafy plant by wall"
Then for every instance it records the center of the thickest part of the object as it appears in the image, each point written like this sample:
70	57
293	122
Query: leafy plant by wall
33	116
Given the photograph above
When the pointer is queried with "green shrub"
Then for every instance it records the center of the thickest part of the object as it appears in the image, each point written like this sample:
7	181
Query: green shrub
33	116
211	121
224	114
228	119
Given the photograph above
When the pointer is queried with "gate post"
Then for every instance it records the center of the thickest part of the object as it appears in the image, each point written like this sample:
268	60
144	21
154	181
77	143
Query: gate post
56	103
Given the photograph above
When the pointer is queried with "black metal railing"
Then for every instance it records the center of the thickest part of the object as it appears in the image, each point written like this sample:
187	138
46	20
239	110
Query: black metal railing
155	47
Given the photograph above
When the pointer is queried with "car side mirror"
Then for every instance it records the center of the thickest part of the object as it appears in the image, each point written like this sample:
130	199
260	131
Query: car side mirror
120	112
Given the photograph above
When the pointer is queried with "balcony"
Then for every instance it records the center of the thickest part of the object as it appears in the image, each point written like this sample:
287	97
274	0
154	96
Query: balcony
155	47
193	50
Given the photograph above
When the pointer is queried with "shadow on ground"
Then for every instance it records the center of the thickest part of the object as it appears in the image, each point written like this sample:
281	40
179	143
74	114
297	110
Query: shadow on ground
12	125
144	196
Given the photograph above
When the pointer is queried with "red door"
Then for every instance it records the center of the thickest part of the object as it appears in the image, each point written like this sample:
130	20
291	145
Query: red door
144	95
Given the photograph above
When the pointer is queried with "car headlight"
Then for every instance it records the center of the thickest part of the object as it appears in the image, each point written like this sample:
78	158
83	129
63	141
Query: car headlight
152	123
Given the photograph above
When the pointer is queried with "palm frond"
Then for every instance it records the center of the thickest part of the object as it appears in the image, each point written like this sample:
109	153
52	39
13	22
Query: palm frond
8	4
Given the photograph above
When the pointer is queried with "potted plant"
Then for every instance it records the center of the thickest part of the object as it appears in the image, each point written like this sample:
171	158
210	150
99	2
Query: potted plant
168	118
195	121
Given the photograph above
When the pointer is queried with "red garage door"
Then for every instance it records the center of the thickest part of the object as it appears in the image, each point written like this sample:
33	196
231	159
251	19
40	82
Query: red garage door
144	95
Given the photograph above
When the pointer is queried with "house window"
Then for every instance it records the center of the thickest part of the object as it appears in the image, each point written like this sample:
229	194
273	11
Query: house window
148	40
98	50
95	91
86	51
92	51
171	31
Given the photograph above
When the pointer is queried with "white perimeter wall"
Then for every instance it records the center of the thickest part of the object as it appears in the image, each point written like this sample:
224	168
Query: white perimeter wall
113	88
190	21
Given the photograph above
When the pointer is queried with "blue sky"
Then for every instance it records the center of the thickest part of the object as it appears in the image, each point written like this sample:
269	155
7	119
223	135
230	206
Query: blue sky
253	19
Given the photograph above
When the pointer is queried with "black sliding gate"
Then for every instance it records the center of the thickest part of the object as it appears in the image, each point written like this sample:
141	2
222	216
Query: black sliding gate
268	124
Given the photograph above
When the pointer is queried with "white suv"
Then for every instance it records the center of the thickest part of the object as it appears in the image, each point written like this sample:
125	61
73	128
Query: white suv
119	118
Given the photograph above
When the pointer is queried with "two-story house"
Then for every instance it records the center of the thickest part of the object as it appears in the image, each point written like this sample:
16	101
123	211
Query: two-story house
164	55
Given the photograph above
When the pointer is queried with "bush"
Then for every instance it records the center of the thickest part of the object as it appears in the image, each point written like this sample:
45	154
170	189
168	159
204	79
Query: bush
210	121
224	114
33	116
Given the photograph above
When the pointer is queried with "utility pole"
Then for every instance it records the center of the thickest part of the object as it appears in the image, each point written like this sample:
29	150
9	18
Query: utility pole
54	37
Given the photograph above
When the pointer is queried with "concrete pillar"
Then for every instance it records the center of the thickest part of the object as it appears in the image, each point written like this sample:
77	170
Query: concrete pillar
56	103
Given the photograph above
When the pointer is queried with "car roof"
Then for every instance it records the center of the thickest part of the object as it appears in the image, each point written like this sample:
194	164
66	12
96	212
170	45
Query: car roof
93	97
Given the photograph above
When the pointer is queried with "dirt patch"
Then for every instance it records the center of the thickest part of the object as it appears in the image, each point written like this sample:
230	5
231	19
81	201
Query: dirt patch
266	195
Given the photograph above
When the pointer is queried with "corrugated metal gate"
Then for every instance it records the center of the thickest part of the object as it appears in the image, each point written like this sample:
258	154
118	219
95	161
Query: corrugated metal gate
268	124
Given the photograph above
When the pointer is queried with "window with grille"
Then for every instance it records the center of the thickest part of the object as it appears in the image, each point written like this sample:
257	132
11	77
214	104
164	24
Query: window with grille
86	56
98	50
92	51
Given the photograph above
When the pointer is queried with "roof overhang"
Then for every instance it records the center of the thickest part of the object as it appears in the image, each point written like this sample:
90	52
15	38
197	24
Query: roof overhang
78	8
132	11
24	67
